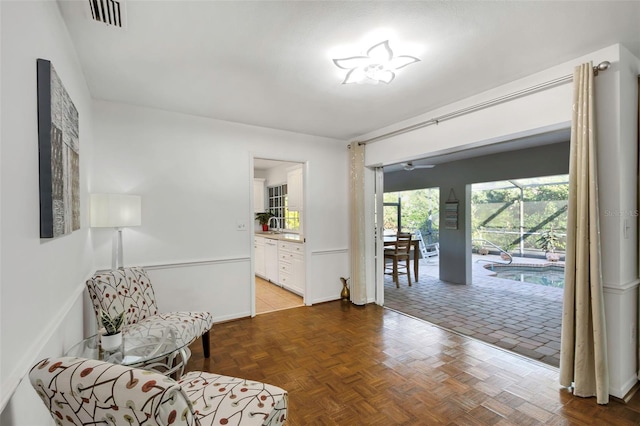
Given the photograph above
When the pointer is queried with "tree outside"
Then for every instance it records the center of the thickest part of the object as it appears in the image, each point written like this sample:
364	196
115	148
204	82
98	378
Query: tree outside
419	210
496	213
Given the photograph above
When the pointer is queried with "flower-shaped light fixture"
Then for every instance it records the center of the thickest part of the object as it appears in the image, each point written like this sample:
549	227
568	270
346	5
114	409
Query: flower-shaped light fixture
378	66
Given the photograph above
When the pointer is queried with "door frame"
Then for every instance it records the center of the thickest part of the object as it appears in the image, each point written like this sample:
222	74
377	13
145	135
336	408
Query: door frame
378	234
304	216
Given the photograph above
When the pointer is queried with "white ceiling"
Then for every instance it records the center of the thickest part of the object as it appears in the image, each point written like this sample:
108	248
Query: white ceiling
268	63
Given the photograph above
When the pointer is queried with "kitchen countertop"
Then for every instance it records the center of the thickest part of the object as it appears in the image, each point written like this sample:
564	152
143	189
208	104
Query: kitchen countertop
283	236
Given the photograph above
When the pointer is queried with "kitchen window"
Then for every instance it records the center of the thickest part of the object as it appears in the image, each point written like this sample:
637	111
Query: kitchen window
289	220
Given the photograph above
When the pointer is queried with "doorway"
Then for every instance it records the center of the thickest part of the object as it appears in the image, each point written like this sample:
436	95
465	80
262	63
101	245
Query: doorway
417	212
517	218
279	250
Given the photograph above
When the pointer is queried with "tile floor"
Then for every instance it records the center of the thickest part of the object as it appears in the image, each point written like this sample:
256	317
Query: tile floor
520	317
270	297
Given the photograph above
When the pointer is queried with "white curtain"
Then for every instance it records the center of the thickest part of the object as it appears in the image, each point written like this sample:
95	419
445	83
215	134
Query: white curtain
357	283
583	353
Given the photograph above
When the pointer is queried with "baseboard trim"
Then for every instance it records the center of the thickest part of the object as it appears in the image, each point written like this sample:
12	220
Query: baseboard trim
630	394
325	299
622	288
227	318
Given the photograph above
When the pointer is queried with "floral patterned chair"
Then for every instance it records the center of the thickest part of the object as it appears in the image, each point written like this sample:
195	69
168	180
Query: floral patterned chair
82	391
130	290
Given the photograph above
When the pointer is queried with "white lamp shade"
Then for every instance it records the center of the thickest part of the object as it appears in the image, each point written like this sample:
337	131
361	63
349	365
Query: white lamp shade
115	210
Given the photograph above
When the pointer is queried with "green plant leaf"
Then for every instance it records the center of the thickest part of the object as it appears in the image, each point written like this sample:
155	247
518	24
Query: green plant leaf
112	325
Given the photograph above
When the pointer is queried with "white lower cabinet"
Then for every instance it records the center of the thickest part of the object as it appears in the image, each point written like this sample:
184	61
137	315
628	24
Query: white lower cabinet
280	262
259	246
291	266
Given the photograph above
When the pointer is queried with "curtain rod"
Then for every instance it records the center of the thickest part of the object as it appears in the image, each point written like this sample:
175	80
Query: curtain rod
602	66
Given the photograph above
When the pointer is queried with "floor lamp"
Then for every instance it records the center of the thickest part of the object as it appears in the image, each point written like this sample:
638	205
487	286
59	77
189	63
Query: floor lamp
116	211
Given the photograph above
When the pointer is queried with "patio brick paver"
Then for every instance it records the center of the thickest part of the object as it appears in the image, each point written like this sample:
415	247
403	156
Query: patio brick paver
521	317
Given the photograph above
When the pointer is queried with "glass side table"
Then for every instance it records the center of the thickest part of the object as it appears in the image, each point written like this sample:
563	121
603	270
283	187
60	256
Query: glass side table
151	346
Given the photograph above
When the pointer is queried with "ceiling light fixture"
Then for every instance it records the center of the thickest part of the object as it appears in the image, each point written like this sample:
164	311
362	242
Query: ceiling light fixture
410	166
379	65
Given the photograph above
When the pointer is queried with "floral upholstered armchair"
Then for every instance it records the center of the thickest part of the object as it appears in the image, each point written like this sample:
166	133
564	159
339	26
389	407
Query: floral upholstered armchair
130	290
82	391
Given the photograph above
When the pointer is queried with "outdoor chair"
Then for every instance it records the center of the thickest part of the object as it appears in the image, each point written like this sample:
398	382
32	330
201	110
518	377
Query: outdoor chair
79	391
427	250
431	250
401	251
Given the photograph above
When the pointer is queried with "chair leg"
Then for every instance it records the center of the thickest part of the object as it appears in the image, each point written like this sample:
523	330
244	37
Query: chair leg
395	272
408	273
205	344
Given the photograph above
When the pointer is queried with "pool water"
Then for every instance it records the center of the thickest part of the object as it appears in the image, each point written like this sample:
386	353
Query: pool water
552	276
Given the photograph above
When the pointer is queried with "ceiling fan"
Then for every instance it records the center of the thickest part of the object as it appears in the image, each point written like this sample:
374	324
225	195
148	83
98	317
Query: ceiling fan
408	166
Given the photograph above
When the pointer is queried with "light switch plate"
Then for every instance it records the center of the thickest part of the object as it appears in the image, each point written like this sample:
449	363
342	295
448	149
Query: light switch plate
241	226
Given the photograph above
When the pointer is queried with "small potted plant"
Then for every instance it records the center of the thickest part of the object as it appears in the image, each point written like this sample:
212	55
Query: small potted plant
112	337
263	219
548	242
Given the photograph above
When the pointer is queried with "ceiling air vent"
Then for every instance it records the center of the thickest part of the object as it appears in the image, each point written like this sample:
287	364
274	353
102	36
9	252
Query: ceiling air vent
110	12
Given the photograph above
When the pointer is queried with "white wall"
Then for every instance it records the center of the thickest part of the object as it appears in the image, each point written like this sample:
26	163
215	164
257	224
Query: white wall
42	281
195	180
616	113
546	110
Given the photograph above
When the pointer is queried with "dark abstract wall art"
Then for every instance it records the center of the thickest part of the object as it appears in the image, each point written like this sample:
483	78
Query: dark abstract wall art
59	147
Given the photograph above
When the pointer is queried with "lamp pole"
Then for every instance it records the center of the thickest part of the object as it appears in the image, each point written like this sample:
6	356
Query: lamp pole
116	253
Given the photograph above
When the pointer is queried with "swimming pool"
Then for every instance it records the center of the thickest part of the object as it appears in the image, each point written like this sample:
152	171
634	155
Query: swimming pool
551	275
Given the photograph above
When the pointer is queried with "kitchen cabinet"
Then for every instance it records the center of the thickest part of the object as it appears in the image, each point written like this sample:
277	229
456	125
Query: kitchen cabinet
295	189
259	204
259	252
291	266
271	260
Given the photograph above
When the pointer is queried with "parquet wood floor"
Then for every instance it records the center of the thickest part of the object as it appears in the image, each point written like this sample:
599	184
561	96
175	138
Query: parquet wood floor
349	365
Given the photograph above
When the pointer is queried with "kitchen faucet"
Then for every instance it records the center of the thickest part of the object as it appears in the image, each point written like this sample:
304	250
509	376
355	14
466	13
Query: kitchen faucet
278	229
